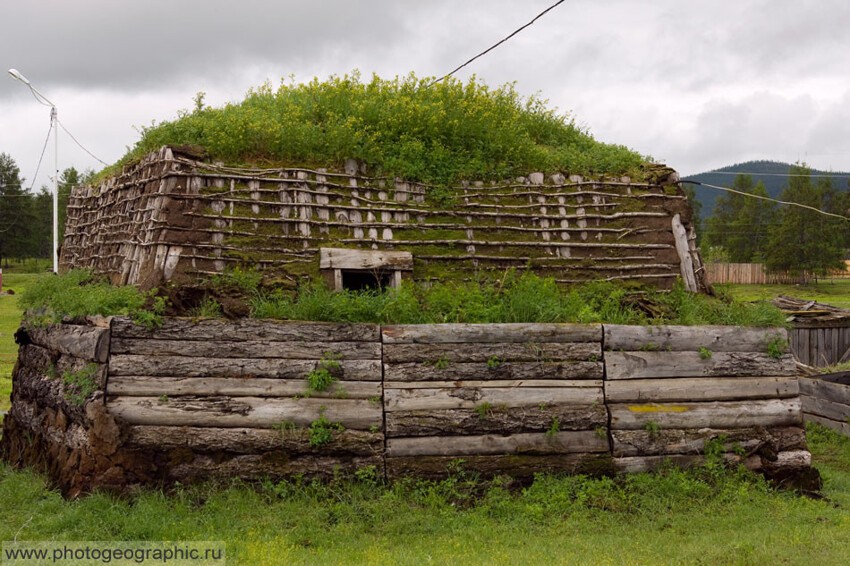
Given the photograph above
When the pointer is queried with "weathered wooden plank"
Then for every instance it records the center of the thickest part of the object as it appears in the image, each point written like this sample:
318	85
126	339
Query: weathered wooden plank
518	383
690	338
700	389
254	349
471	397
824	408
245	330
493	419
641	365
841	426
526	352
265	466
340	258
490	333
248	412
721	414
89	343
169	366
514	465
692	441
147	386
537	443
427	371
636	464
252	440
823	389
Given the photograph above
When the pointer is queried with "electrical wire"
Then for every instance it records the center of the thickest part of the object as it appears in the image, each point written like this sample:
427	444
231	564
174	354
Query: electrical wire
746	194
43	149
753	174
79	144
492	47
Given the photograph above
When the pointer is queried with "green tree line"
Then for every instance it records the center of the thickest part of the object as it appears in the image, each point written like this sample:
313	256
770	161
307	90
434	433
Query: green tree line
745	229
26	217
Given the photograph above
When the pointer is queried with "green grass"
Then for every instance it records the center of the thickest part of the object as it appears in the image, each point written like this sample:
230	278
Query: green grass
830	291
10	320
705	516
436	134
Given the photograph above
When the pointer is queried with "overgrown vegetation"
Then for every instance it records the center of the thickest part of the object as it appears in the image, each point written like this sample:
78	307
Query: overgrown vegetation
80	384
79	293
322	430
513	298
326	372
437	134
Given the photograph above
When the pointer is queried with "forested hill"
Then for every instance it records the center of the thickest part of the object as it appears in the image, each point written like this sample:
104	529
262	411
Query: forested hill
771	173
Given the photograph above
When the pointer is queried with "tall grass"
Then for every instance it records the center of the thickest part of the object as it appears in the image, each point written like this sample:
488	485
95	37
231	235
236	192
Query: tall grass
404	126
515	298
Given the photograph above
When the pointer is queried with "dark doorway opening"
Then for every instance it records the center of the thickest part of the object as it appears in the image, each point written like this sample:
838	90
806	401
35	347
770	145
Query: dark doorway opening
355	280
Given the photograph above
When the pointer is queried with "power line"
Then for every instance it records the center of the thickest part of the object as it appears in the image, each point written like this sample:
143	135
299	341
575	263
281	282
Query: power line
753	174
492	47
79	144
43	149
746	194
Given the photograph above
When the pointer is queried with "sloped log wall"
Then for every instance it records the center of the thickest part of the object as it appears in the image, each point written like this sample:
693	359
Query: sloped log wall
174	218
826	400
210	398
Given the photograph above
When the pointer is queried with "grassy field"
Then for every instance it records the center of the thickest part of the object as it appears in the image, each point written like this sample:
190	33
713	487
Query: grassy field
10	319
830	291
707	516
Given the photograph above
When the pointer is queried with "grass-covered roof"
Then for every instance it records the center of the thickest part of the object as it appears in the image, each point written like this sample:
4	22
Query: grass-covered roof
433	133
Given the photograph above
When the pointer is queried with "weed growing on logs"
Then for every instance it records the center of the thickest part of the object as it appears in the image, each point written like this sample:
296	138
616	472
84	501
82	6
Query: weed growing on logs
776	347
704	353
322	430
79	385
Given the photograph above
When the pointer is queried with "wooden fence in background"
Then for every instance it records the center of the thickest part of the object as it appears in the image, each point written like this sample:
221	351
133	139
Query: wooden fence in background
756	274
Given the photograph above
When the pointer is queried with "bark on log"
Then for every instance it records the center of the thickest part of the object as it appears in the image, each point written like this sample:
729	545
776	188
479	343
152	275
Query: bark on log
89	343
245	330
732	414
490	333
147	386
495	420
690	338
527	352
641	365
252	440
821	389
470	398
269	465
427	371
693	389
253	349
166	366
692	441
791	459
534	443
509	383
247	412
516	466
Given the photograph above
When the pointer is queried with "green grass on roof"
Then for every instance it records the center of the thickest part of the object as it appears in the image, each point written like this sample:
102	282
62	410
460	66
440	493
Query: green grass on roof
407	127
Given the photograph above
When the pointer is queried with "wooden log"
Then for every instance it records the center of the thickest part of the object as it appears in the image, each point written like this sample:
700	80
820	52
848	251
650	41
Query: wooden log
825	408
534	443
514	465
680	236
840	426
90	343
481	371
254	349
167	366
690	338
368	260
490	333
493	419
700	389
252	440
787	460
692	441
248	412
245	330
722	414
642	365
268	465
525	352
823	389
147	386
516	383
472	397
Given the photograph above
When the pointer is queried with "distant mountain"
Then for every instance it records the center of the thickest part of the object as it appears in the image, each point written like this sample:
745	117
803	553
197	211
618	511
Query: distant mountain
771	173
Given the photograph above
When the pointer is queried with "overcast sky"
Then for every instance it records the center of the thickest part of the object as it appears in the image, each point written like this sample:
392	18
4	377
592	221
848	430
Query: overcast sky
697	84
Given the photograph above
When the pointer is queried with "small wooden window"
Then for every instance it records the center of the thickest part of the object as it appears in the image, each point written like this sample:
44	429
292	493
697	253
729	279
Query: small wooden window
357	270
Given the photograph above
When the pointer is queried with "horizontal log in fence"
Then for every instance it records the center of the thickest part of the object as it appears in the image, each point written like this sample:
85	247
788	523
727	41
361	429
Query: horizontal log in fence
111	404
